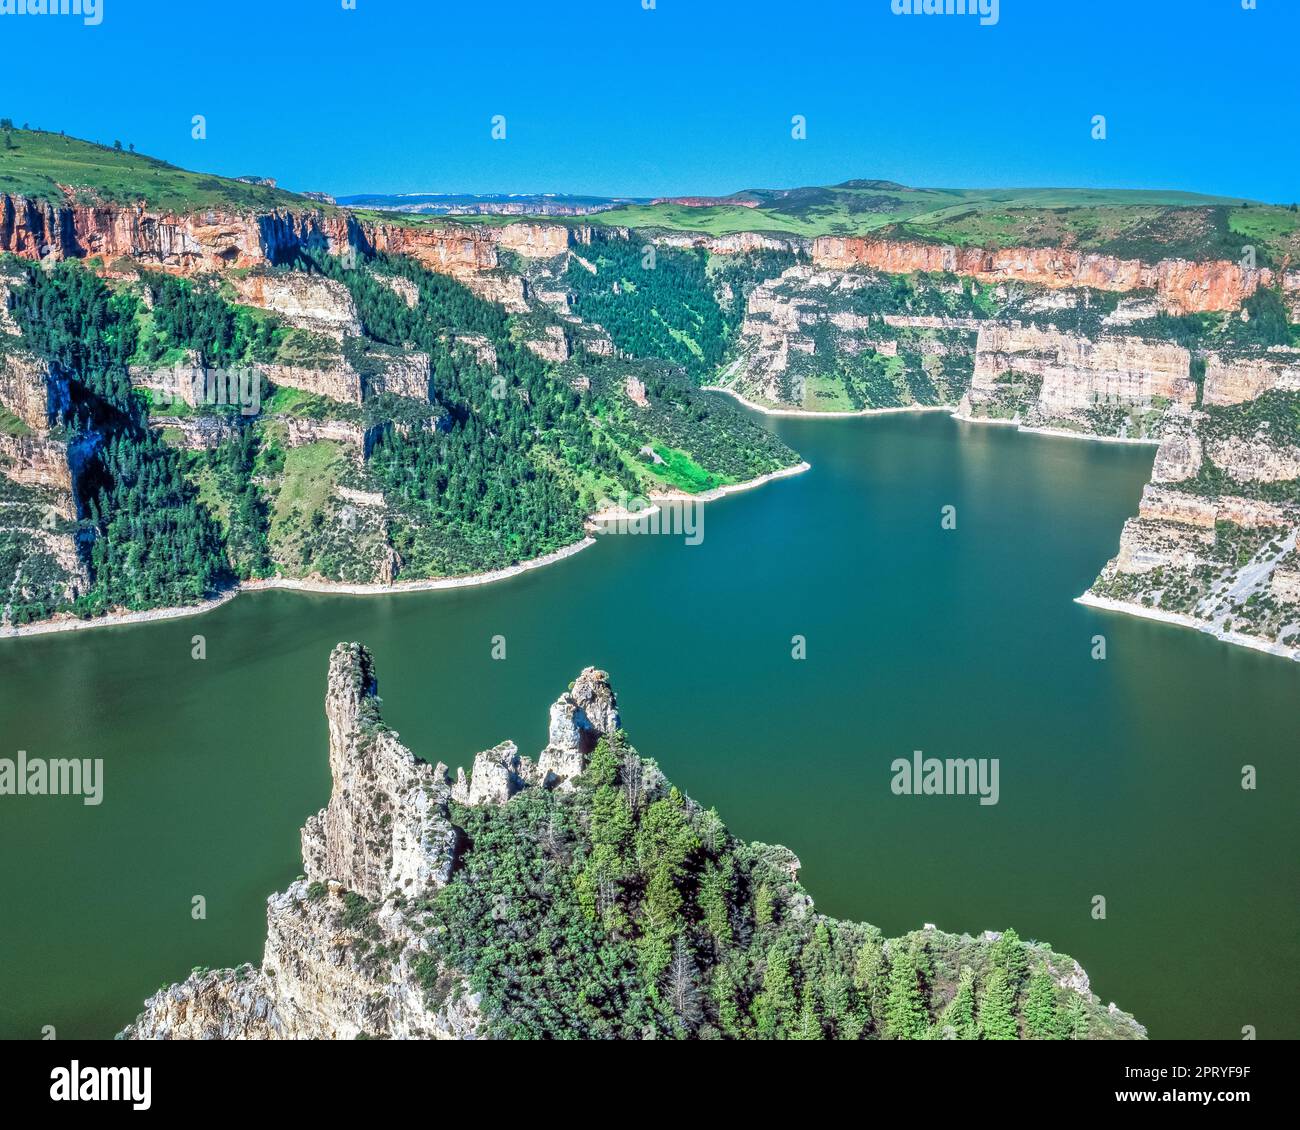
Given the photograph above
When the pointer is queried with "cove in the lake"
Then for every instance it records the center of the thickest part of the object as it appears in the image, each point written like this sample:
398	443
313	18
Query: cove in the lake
1118	777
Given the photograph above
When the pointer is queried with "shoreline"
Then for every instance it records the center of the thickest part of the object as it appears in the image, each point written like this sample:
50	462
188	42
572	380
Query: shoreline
1182	620
835	414
70	623
296	584
953	410
1065	433
730	488
1054	433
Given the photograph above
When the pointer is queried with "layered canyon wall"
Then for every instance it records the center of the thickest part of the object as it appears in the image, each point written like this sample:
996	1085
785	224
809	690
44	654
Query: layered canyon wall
1182	286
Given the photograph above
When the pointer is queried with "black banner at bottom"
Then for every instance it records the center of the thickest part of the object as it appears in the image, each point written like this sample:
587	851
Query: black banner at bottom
220	1078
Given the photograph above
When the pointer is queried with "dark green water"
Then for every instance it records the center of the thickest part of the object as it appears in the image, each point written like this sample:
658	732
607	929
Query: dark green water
1118	778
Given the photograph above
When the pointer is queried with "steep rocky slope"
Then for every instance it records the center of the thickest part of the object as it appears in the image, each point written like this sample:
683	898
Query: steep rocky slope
1213	545
500	904
327	407
41	568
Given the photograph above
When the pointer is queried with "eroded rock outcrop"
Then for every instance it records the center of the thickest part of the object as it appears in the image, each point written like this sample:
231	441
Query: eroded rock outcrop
1077	381
578	721
532	240
400	374
340	964
195	433
1235	379
734	243
36	460
386	827
345	955
338	381
302	430
26	387
305	301
206	240
452	249
807	335
1219	559
551	345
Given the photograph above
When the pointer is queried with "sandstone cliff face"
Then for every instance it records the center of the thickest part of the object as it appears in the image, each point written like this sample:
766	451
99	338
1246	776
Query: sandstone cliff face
737	243
1078	382
216	240
25	387
1222	561
203	241
339	382
552	345
452	249
38	551
782	318
812	338
1182	287
36	460
1255	459
194	433
384	841
507	290
1211	538
478	346
1233	380
1291	293
402	374
309	302
1178	458
534	241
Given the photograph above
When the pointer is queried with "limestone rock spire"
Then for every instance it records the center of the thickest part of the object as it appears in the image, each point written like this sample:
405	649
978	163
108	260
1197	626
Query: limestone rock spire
386	828
579	719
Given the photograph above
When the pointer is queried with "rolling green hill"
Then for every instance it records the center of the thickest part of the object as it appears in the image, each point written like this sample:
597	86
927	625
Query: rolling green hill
39	165
1119	221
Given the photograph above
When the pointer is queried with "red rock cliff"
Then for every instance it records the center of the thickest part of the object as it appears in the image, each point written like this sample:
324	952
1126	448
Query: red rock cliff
212	240
1182	286
202	241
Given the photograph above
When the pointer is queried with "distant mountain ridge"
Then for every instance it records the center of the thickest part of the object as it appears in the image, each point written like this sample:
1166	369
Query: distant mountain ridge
489	204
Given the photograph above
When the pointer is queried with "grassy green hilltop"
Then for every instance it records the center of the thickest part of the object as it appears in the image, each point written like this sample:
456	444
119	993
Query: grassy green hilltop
39	165
1121	221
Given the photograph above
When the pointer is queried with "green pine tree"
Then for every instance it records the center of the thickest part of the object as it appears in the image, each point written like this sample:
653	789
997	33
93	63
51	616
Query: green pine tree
960	1013
905	1013
997	1019
1040	1009
1073	1020
1008	954
776	1006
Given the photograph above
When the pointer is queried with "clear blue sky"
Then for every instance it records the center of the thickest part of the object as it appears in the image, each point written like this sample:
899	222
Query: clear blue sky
696	96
